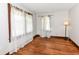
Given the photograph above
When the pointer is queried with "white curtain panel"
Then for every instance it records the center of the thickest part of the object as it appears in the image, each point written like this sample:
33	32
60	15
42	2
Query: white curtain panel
29	23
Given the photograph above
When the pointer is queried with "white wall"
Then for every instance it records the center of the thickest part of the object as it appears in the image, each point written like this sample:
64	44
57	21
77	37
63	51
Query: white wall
74	23
4	38
57	23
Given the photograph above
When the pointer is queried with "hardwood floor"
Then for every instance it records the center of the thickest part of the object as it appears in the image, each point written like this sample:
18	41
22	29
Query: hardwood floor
49	46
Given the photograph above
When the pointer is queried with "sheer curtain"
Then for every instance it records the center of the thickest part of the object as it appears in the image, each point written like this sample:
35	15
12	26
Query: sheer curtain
21	24
29	24
17	26
45	25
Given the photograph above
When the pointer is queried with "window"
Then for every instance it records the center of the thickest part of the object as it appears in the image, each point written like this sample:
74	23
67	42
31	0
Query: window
17	22
29	24
45	23
21	22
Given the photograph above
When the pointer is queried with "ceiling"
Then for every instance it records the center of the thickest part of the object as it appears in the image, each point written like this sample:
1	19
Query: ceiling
48	7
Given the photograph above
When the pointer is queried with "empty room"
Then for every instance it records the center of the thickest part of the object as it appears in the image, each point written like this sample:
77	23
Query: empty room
39	28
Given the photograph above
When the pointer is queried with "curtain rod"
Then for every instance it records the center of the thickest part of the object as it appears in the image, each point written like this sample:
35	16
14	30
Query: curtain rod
20	9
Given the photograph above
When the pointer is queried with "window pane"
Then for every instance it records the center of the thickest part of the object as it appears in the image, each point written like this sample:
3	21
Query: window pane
29	24
45	23
42	23
17	22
